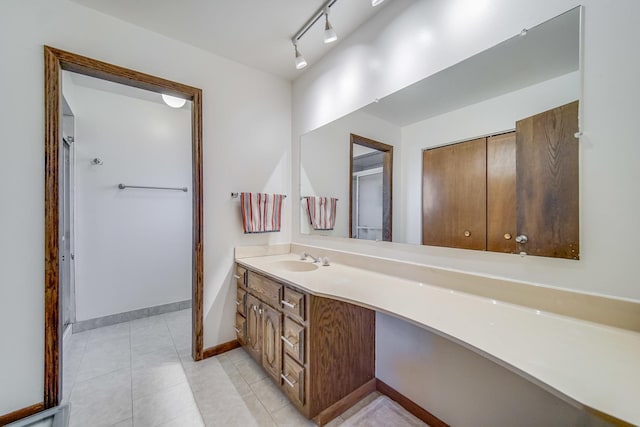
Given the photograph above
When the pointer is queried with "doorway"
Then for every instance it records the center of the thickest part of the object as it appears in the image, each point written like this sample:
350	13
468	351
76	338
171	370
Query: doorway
58	269
370	189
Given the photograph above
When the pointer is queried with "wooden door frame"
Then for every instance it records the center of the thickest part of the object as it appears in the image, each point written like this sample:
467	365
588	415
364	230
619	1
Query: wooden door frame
55	61
387	182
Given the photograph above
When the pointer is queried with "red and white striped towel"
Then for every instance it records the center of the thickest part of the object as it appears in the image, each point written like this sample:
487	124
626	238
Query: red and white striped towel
261	212
322	212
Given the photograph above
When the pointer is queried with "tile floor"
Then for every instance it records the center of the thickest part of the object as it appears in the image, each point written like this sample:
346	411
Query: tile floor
141	373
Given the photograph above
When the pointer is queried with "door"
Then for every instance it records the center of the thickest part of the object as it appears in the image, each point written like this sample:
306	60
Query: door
547	183
501	193
254	326
454	195
271	341
368	204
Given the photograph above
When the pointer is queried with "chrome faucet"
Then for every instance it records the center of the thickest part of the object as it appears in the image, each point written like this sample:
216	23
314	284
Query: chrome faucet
305	255
322	260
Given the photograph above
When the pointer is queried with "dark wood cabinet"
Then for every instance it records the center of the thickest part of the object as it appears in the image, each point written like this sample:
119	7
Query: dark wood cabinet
501	193
454	195
547	174
254	328
271	341
515	192
321	352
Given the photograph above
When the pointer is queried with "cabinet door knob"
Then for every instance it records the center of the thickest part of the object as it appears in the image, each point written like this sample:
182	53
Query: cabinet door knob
255	308
507	236
522	239
260	311
467	233
236	277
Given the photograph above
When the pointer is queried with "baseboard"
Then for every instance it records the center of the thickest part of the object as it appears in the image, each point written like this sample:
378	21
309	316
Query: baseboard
409	405
113	319
219	349
345	403
21	413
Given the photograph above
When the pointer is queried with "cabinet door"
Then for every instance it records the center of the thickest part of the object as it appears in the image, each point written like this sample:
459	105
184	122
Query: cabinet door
454	193
501	193
547	183
271	341
254	328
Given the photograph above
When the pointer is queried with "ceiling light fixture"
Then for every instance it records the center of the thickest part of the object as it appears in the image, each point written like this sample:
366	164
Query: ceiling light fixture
329	33
374	3
300	61
173	101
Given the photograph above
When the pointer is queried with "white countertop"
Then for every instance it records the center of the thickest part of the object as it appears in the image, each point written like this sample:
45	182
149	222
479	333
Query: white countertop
593	364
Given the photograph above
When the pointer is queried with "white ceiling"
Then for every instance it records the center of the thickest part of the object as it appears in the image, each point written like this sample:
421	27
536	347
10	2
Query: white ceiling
549	50
256	33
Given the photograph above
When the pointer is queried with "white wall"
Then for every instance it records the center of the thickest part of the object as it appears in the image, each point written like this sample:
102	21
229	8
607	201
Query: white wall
324	157
410	40
246	137
492	116
133	247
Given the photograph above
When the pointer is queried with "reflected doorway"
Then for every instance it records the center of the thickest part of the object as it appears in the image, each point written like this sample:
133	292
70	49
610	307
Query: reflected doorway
370	189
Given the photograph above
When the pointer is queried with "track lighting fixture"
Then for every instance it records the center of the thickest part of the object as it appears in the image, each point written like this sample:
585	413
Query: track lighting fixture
374	3
329	33
300	61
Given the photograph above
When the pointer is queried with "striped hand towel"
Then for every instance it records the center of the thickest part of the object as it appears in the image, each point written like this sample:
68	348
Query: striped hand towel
322	212
261	212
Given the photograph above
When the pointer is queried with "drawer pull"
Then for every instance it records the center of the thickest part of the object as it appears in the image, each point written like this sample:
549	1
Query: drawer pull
260	310
238	331
288	304
238	302
255	308
237	277
288	381
287	342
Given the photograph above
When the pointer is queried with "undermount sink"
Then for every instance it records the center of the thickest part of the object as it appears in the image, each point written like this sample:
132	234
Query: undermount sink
295	266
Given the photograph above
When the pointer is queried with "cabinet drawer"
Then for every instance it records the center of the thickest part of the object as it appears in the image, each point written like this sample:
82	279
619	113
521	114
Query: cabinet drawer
293	340
265	289
293	303
241	328
241	276
293	380
241	301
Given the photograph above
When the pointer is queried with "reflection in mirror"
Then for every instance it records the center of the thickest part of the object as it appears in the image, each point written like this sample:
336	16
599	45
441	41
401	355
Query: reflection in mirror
370	198
484	95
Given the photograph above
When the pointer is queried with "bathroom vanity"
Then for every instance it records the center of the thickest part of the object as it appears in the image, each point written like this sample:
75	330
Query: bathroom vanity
320	351
312	328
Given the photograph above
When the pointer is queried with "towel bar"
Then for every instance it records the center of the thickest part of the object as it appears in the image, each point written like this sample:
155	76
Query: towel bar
236	195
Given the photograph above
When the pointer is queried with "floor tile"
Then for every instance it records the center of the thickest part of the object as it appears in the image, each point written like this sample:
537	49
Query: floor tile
190	418
101	401
250	371
125	423
120	330
164	406
234	411
155	372
361	404
102	357
270	395
237	355
289	416
147	322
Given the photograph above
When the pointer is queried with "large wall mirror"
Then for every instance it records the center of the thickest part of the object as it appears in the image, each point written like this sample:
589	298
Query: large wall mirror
500	128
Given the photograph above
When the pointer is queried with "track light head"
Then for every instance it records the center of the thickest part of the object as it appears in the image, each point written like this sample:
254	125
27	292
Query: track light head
329	33
374	3
300	61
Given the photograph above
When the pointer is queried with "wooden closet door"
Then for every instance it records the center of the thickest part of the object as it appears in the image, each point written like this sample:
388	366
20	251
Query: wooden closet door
454	195
547	183
501	193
